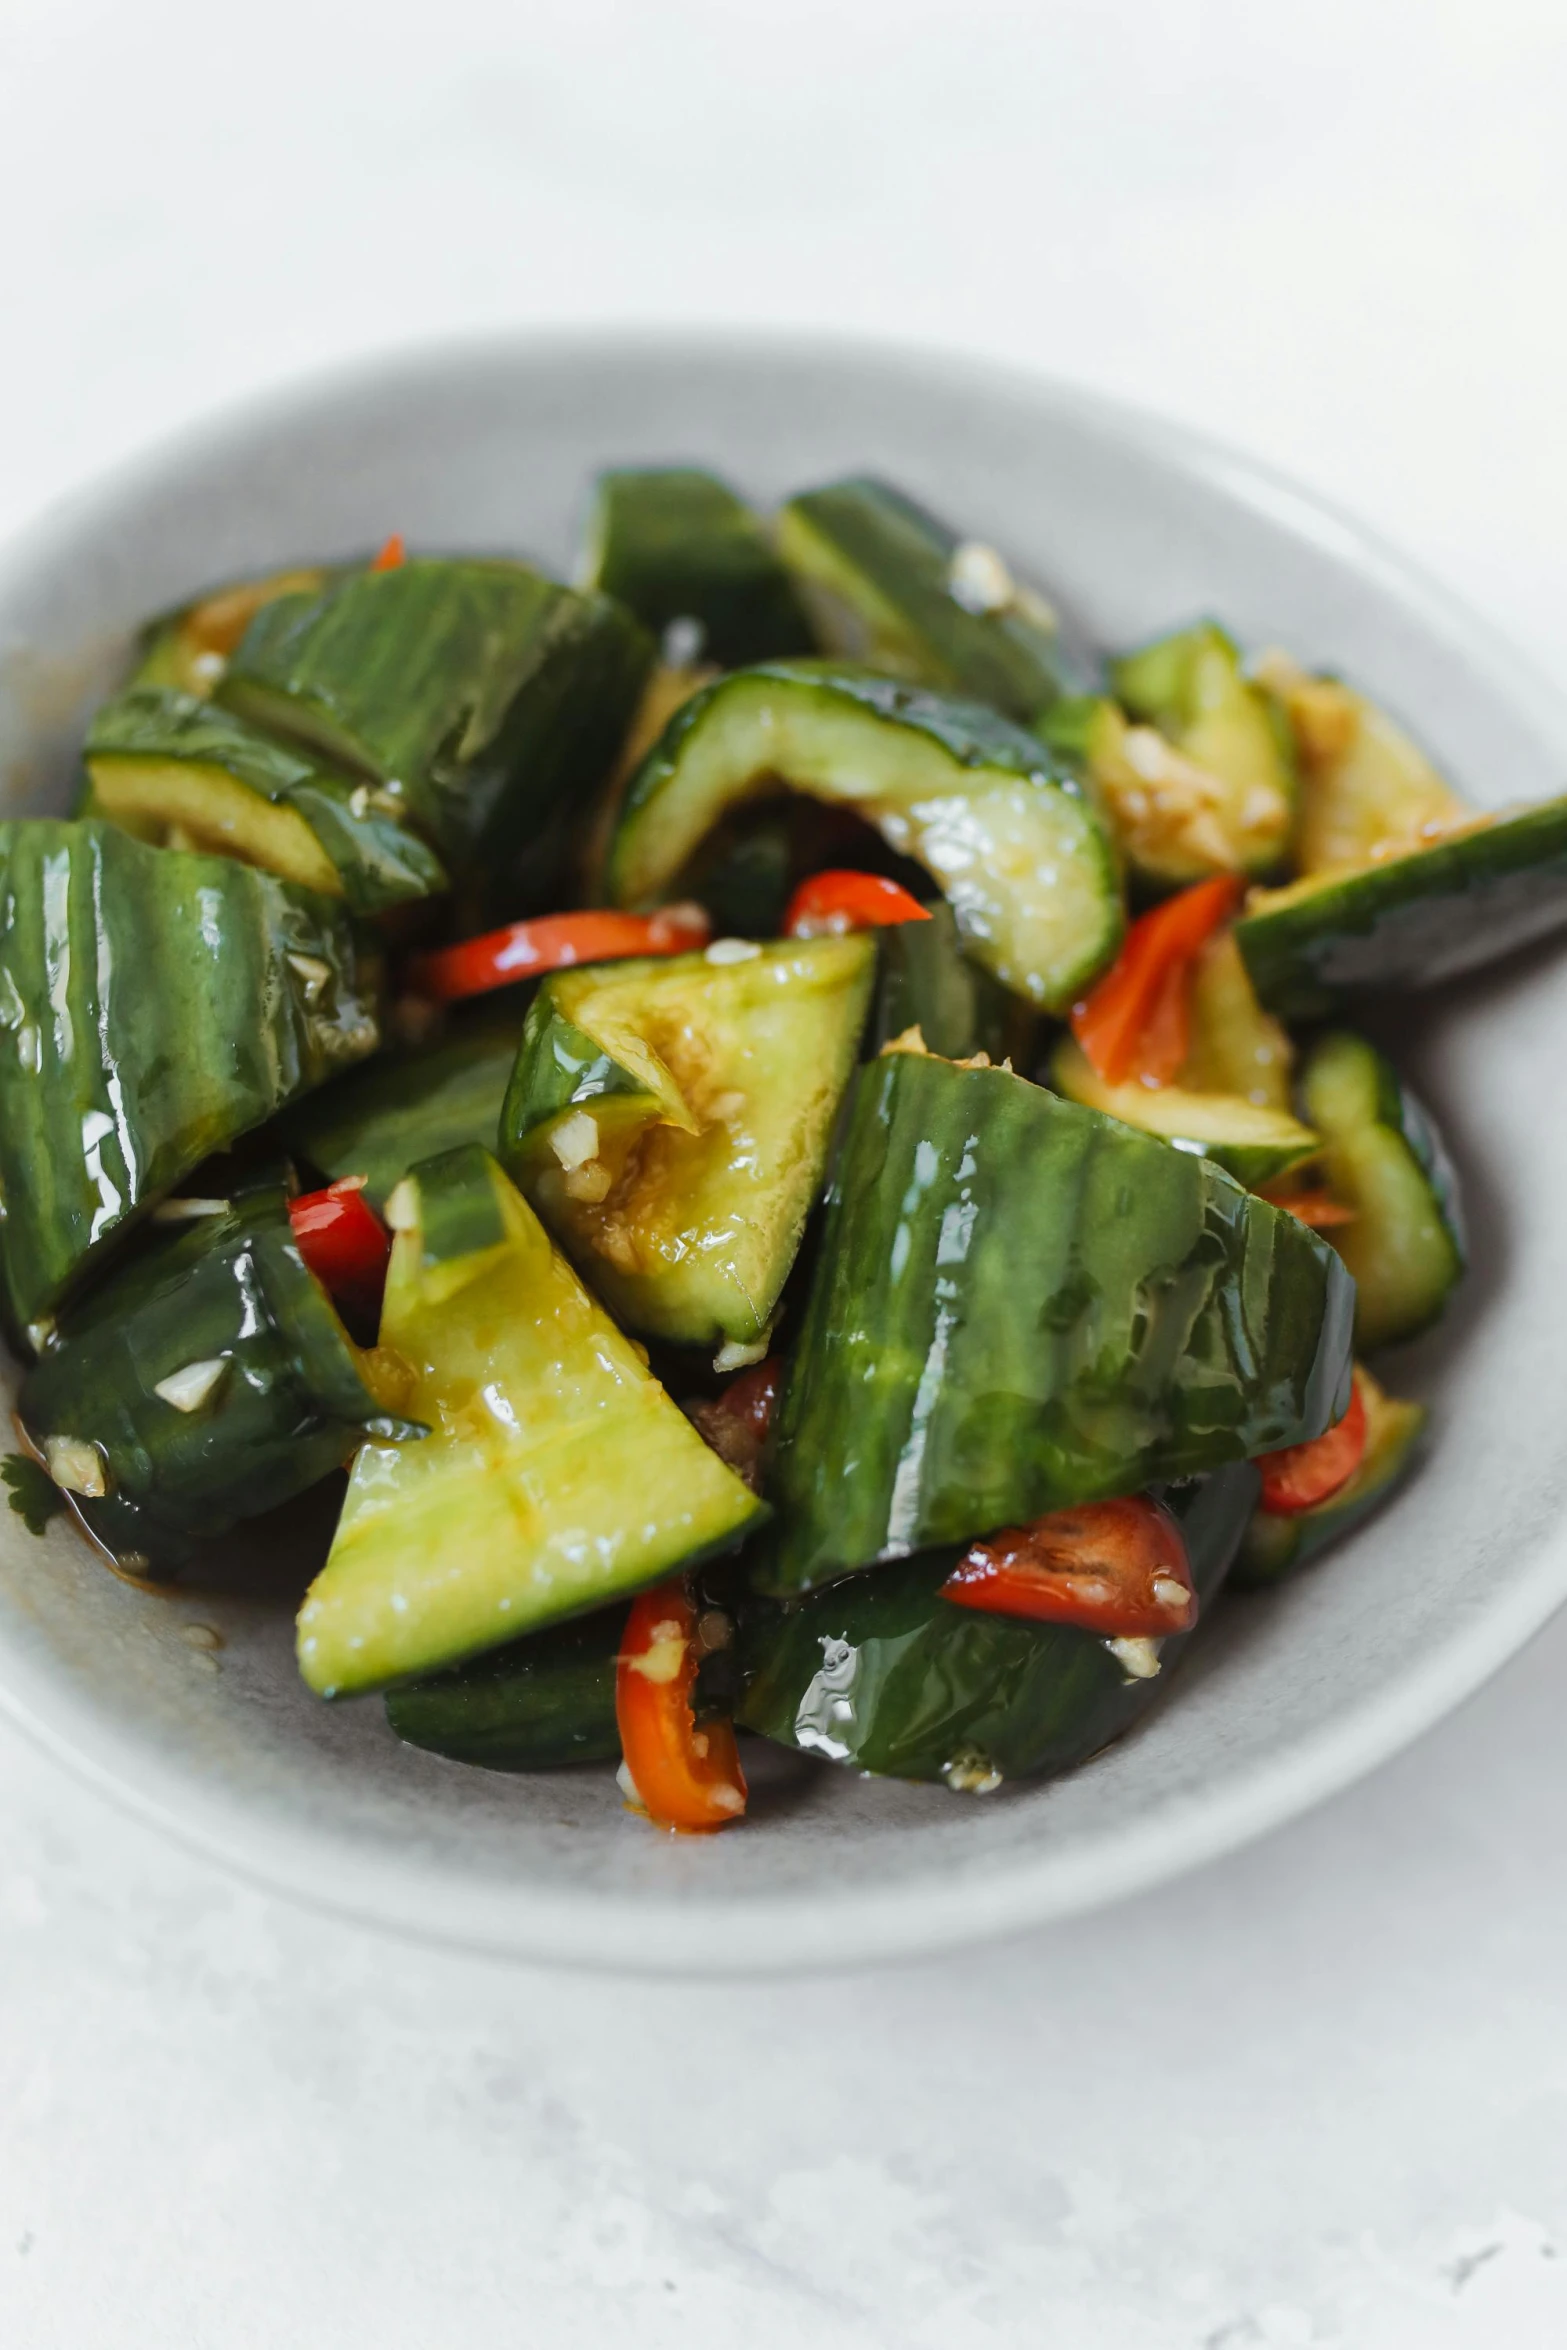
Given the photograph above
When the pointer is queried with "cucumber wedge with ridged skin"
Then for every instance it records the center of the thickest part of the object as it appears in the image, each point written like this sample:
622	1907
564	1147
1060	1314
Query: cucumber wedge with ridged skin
1276	1547
154	1005
1019	1304
1253	1144
490	700
1384	1158
161	762
1017	849
557	1474
882	1674
886	582
399	1108
670	1122
209	1378
673	543
1411	920
1191	689
924	980
534	1705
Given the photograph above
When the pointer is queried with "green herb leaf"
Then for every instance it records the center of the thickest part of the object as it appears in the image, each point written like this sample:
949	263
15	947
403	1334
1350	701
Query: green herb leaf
34	1495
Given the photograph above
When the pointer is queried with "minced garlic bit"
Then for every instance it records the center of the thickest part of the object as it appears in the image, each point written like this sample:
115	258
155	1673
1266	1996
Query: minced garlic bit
726	1798
628	1788
683	640
978	579
186	1211
575	1140
737	1353
592	1182
910	1040
731	950
971	1774
76	1467
359	802
663	1660
402	1208
1169	1592
1138	1659
713	1630
314	973
188	1389
1161	802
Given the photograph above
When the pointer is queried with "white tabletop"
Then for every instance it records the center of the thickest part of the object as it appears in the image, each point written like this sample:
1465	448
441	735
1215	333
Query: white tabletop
1316	2095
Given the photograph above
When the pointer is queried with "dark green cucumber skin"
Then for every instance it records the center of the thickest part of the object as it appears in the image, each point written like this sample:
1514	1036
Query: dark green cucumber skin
381	861
535	1705
557	1064
149	1015
1414	921
904	552
494	699
290	1409
924	1684
924	980
969	732
674	543
1020	1304
400	1108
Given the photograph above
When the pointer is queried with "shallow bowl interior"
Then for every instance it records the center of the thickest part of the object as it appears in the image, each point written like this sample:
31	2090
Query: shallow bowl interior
1135	526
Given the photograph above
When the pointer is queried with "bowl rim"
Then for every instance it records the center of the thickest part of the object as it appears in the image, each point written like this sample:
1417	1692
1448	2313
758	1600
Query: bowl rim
781	1932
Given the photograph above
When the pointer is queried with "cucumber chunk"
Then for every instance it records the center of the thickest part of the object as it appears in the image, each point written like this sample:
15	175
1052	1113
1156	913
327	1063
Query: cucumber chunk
887	583
1384	1158
557	1474
1016	847
1254	1144
924	980
1225	734
210	1379
382	1119
176	770
1412	920
1276	1546
154	1006
1020	1304
673	543
534	1705
1368	790
487	699
670	1121
1401	884
1233	1045
882	1674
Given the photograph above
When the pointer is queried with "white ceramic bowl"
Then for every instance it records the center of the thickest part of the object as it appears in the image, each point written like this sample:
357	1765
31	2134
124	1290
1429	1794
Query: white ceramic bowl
1291	1696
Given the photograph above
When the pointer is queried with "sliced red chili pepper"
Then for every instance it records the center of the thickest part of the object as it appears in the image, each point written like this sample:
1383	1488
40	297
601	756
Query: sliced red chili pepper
342	1240
686	1776
1118	1568
1134	1022
553	942
1302	1475
392	556
736	1423
1319	1209
829	903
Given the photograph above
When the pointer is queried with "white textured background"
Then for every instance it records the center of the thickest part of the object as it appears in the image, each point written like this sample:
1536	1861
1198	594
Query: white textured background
1317	2095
